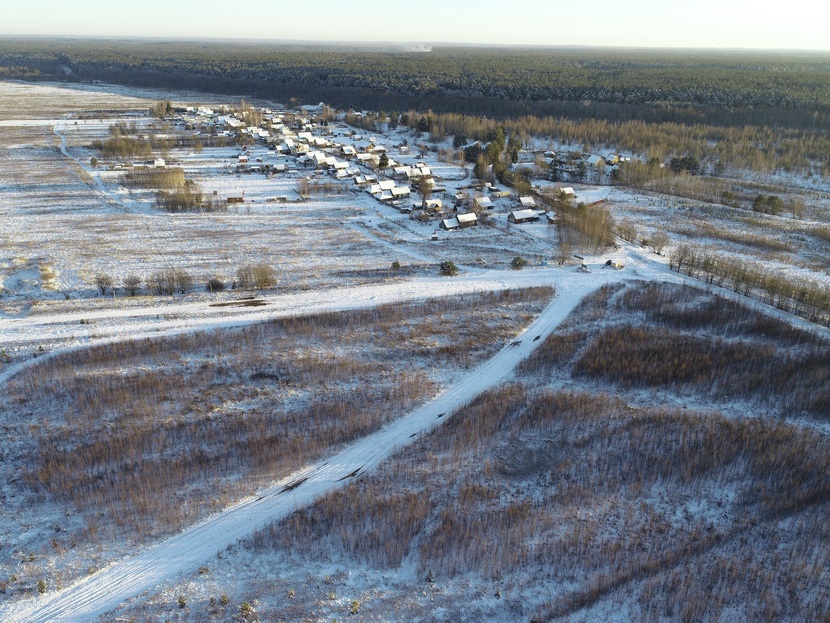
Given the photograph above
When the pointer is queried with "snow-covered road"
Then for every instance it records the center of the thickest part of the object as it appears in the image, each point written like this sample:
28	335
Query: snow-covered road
52	334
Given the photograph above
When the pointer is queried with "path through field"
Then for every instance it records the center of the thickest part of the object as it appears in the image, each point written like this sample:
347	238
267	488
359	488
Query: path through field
105	590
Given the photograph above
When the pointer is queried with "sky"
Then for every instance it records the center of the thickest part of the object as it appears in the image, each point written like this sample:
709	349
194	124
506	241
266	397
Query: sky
795	24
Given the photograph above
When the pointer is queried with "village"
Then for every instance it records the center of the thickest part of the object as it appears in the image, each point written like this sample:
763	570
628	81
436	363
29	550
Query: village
310	153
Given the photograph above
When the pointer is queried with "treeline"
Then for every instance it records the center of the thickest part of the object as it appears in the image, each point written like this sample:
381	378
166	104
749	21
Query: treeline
715	148
783	90
799	296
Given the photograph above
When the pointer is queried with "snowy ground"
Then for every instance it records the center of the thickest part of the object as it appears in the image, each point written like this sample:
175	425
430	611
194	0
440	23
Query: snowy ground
62	222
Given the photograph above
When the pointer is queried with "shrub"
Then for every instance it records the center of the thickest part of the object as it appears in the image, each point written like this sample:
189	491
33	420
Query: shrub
170	281
518	263
132	283
182	601
448	268
256	276
215	285
41	586
103	282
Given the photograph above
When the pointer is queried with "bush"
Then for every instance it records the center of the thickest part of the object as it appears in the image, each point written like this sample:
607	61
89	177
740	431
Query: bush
182	601
518	263
170	281
132	283
103	282
215	285
448	268
256	276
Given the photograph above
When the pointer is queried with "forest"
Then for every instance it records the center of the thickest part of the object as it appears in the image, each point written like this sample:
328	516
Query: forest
781	89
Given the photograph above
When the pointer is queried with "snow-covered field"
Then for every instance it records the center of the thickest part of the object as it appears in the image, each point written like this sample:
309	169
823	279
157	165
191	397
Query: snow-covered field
63	221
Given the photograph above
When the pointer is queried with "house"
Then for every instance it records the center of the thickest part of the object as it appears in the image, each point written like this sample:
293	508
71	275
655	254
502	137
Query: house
159	163
567	193
483	203
449	224
420	171
523	216
432	205
527	202
594	161
348	151
368	159
458	197
467	220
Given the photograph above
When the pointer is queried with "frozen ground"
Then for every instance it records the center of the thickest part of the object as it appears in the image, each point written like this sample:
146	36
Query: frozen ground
62	222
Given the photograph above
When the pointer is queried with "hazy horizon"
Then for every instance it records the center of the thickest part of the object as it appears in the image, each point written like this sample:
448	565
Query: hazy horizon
709	24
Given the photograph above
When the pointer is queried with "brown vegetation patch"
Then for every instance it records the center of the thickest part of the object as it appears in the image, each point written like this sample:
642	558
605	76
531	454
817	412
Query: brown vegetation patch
152	435
596	501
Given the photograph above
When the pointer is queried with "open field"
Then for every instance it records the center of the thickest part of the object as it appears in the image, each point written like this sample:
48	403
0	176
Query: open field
550	498
661	455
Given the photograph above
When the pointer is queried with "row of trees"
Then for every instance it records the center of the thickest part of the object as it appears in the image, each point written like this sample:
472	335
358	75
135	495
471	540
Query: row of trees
803	297
171	281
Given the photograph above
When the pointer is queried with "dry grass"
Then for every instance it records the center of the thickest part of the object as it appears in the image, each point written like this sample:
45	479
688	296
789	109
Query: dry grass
563	489
601	502
689	343
144	438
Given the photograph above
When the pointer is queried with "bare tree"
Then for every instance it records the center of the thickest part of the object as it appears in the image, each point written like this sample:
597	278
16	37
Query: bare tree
103	282
132	283
658	242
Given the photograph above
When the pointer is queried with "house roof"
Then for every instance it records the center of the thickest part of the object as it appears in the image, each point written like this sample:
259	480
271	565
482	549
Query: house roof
523	215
